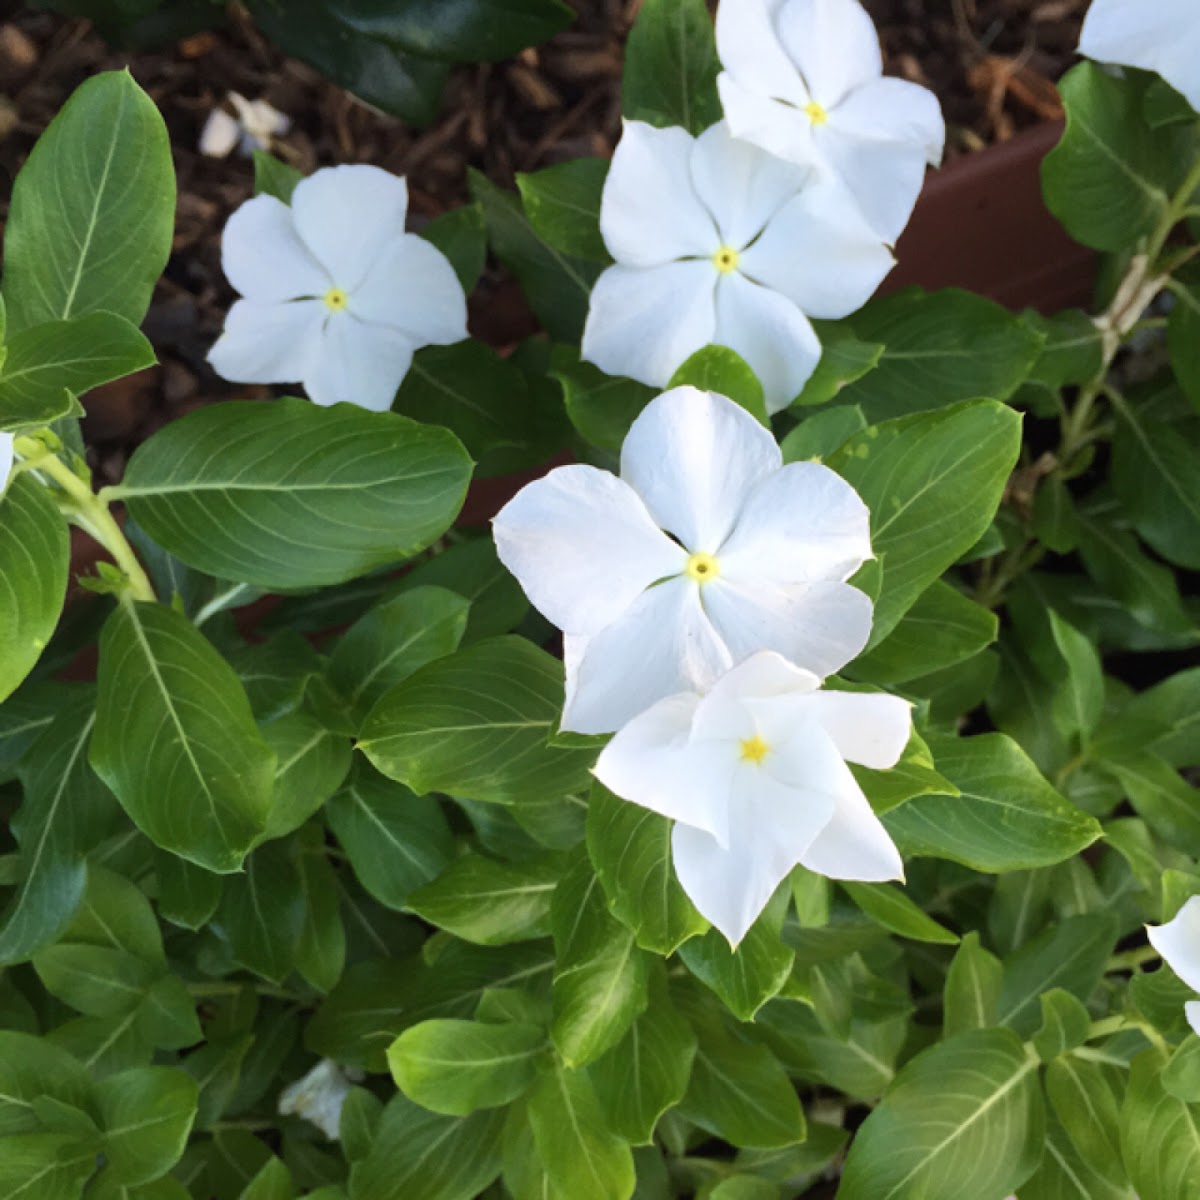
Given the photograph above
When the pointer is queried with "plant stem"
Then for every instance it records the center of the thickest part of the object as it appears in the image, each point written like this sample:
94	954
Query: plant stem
87	510
233	987
1130	960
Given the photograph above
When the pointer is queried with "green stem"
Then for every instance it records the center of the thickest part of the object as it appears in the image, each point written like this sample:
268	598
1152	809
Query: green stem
85	509
1131	960
228	988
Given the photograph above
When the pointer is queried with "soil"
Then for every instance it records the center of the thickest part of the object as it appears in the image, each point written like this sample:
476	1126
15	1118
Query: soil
992	64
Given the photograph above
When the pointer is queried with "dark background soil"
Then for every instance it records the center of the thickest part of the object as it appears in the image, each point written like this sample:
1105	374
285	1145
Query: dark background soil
992	64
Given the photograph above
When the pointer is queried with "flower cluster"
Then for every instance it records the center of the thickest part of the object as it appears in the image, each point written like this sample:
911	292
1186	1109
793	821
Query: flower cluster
703	597
780	213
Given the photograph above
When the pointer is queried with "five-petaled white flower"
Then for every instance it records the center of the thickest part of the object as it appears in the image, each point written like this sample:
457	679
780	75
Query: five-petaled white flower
336	295
717	241
319	1096
754	776
6	460
804	80
1156	35
1178	941
705	549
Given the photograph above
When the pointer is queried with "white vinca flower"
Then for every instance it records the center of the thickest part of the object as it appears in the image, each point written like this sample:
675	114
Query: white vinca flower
6	460
804	79
718	242
1156	35
319	1096
705	549
1178	941
254	127
336	295
754	776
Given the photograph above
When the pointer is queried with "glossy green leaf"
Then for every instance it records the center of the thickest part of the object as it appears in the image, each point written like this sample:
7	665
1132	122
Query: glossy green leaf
146	1114
96	980
274	178
724	371
844	359
49	1166
31	1067
892	909
671	67
1160	1135
1160	796
562	204
971	998
819	434
1079	700
311	764
461	236
1084	1099
262	910
1066	1024
600	407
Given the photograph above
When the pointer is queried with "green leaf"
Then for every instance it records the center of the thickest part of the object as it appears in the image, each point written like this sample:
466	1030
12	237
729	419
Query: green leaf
1079	699
1108	150
1065	1175
580	1155
939	348
34	559
562	203
671	67
457	1067
933	483
354	490
175	738
45	1166
1007	817
488	902
601	407
312	764
395	841
95	980
1181	1077
962	1118
724	371
321	950
274	178
913	775
647	1071
1160	1135
262	909
819	434
971	999
1055	519
420	1155
458	30
630	848
600	976
166	1016
1066	1024
93	209
1183	336
891	908
1084	1101
187	894
31	1067
1161	797
1172	710
273	1182
146	1115
476	724
556	285
844	359
461	236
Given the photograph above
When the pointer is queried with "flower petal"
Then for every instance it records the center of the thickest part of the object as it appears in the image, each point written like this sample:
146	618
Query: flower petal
346	215
1178	941
358	363
647	322
733	704
7	456
854	845
650	213
583	547
819	627
770	333
802	524
412	287
694	457
750	50
773	125
871	730
819	253
264	258
833	44
269	342
729	887
662	644
651	763
741	185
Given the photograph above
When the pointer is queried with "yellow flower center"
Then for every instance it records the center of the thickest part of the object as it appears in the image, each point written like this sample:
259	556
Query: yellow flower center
726	259
702	568
816	114
754	749
336	299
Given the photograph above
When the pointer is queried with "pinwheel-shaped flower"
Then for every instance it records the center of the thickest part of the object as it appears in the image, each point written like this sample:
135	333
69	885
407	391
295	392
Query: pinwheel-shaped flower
705	550
6	460
1178	941
804	80
336	295
1156	35
754	776
717	241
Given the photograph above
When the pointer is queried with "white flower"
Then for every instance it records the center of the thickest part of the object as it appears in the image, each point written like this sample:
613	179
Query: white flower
804	80
705	550
252	129
716	241
754	775
319	1096
1156	35
1178	941
6	459
337	295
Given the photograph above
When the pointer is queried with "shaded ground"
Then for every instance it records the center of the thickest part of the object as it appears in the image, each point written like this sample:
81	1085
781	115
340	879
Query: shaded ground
991	62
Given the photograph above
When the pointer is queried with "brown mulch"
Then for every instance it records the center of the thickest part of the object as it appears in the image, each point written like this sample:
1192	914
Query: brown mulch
991	62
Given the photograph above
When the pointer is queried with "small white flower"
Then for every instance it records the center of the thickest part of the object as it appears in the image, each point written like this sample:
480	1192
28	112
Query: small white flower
6	460
804	79
1156	35
718	242
254	127
336	295
319	1096
705	550
754	775
1178	941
